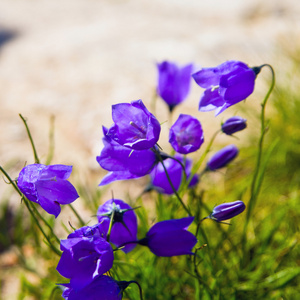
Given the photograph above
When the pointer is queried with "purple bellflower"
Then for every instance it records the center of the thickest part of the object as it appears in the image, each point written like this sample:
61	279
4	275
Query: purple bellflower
102	287
124	226
227	211
223	157
233	125
173	83
226	85
48	186
170	238
122	162
134	126
186	134
84	259
159	180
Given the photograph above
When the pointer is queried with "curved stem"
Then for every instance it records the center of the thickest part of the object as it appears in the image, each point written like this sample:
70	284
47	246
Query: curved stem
76	214
36	158
171	183
140	288
254	188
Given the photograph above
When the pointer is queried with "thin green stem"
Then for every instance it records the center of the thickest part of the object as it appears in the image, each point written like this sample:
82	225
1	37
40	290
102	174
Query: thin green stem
36	158
51	141
76	214
254	188
171	183
140	288
110	225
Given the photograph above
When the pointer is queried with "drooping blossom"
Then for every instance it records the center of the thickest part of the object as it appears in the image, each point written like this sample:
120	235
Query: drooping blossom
227	211
170	238
84	258
223	157
233	125
173	83
122	162
186	134
225	85
102	287
48	186
124	226
159	180
134	126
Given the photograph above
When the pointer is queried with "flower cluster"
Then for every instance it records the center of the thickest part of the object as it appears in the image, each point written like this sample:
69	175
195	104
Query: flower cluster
131	151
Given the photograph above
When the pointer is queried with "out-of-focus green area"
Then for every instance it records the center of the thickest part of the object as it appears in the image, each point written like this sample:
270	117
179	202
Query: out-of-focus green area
262	264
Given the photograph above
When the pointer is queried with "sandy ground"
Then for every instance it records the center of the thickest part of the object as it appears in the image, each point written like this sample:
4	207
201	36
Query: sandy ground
75	58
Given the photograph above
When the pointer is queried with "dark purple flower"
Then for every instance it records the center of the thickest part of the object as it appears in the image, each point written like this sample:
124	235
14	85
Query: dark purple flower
47	186
102	287
84	259
159	180
226	85
234	124
186	134
227	211
134	126
170	238
124	228
88	231
222	157
122	162
173	83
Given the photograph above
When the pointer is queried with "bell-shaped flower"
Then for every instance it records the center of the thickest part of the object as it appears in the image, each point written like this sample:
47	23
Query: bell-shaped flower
84	259
48	186
122	162
173	82
186	134
134	126
227	211
223	157
233	125
226	85
170	238
124	222
102	287
159	180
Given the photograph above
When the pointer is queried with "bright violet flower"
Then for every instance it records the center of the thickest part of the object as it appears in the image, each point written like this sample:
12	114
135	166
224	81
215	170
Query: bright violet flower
134	126
222	157
227	211
124	228
102	287
173	83
170	238
159	180
186	134
233	125
122	162
226	85
48	186
84	259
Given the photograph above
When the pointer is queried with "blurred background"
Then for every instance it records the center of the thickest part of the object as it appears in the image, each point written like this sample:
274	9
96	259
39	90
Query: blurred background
73	59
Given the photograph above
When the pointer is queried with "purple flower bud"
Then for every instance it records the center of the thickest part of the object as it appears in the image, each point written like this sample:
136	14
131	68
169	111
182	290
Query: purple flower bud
227	211
134	126
222	157
102	287
122	162
173	83
170	238
84	259
124	228
234	124
47	186
186	134
226	85
159	180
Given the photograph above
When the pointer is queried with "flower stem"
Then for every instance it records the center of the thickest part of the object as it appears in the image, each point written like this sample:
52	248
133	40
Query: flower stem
140	288
36	158
110	225
254	185
76	214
